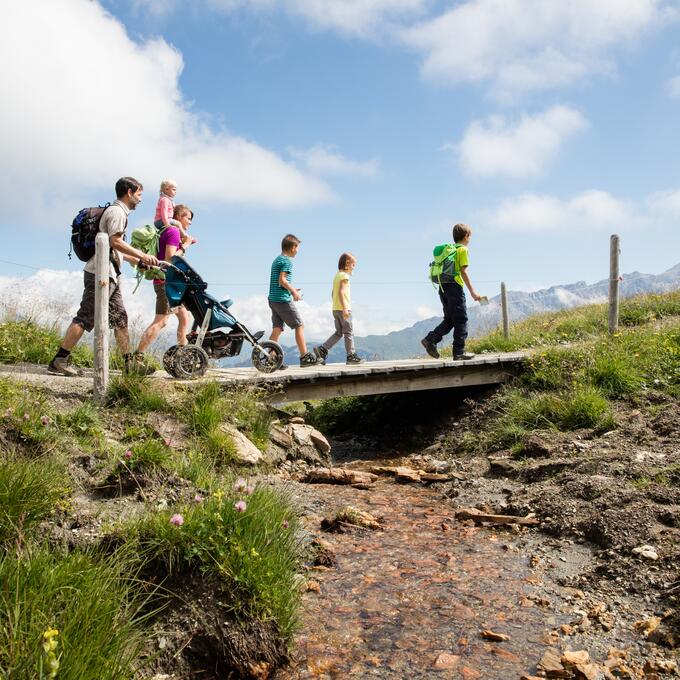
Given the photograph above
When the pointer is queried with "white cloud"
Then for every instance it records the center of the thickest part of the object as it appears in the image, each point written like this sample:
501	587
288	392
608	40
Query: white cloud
323	159
665	205
498	147
588	210
84	104
365	18
522	45
674	87
51	297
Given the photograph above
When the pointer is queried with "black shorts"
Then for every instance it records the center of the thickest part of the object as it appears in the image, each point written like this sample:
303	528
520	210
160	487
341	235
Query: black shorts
117	314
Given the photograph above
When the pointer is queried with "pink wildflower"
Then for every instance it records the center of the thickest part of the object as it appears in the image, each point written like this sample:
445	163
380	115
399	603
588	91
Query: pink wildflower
250	489
240	484
128	454
198	498
8	412
26	416
240	506
168	442
285	524
177	520
45	420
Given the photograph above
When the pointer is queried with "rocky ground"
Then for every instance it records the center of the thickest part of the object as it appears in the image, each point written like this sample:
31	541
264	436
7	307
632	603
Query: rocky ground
603	515
435	562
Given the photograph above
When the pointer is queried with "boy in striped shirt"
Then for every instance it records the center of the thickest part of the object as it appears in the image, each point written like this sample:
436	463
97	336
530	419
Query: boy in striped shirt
283	296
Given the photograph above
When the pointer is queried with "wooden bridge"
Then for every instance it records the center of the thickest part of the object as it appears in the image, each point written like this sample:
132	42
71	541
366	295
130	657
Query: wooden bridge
375	377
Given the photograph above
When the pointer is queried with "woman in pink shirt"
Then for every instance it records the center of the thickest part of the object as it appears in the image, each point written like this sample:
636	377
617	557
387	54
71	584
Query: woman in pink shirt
171	243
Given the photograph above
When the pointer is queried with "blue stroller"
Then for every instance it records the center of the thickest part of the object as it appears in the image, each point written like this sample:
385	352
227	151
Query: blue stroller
215	334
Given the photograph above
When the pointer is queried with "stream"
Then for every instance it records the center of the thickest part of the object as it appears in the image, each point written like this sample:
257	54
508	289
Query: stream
411	601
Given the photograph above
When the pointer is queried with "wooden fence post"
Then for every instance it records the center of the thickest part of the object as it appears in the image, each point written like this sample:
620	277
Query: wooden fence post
504	309
614	284
101	316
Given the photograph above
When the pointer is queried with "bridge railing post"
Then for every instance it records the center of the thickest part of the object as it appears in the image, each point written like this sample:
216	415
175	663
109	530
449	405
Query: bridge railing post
504	310
101	316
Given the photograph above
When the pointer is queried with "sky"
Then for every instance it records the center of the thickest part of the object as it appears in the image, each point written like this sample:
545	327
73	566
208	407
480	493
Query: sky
369	126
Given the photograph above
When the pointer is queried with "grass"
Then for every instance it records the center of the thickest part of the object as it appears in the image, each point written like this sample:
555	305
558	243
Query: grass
27	341
90	600
134	392
256	552
581	323
30	490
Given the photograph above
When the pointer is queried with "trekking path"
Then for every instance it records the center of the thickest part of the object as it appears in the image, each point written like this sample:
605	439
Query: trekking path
412	600
323	382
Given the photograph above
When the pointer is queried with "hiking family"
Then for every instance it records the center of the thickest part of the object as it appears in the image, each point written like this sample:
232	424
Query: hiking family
169	237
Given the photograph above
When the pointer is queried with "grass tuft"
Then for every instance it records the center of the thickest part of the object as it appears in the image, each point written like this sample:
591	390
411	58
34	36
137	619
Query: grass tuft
89	600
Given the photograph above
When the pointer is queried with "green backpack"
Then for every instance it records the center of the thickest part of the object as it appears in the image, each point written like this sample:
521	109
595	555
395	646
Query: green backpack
444	267
147	239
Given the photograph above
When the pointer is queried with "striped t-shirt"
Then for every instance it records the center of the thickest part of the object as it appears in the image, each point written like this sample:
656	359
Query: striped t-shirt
278	293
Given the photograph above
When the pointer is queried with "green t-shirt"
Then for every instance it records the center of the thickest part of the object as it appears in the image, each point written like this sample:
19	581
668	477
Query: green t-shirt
463	260
278	293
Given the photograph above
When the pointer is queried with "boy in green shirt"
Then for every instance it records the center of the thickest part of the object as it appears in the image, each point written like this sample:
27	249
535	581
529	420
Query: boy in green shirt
452	297
282	298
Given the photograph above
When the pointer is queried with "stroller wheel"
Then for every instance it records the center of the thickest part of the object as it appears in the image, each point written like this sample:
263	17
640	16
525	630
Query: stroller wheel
190	362
267	356
169	360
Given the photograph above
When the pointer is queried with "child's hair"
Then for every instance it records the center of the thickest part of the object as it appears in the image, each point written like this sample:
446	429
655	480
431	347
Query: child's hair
167	183
181	209
460	231
289	240
344	259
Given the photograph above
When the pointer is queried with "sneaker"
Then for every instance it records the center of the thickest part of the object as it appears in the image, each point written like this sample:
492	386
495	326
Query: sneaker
354	358
321	354
138	365
430	348
309	359
463	357
62	366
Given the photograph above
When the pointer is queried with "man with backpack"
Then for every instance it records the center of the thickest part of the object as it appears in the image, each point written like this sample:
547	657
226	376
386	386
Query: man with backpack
449	272
112	221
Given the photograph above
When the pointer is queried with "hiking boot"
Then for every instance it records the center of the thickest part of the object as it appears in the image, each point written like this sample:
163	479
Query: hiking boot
430	348
321	354
463	357
62	366
309	359
137	364
354	358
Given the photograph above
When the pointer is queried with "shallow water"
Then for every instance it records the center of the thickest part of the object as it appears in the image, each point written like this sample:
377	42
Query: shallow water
424	586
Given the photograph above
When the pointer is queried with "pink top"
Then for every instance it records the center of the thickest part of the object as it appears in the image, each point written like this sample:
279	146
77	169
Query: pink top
164	209
169	237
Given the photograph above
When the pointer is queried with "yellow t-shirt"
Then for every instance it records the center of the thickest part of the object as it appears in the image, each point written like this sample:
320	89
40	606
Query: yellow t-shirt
337	303
463	260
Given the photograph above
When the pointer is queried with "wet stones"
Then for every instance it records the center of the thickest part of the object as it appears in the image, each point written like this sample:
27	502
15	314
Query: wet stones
339	476
350	517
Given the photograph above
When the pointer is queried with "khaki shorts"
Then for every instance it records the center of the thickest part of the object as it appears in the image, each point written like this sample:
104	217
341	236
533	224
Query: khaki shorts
85	314
162	305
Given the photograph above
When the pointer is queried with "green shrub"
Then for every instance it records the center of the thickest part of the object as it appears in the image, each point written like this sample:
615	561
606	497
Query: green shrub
89	600
256	552
615	375
204	408
148	455
27	341
83	422
136	393
29	492
26	417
